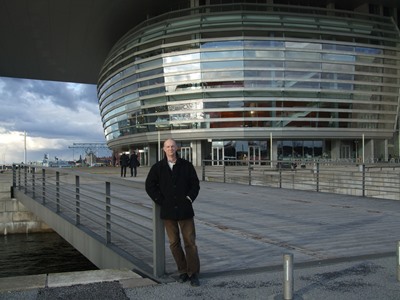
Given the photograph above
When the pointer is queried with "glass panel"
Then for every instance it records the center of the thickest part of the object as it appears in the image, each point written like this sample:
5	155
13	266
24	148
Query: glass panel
180	58
181	68
263	64
337	67
302	65
264	44
303	45
222	64
221	74
224	54
222	44
302	55
184	77
338	57
263	54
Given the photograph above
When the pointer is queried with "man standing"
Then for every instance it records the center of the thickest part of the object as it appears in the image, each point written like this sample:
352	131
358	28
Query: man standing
173	184
133	164
123	161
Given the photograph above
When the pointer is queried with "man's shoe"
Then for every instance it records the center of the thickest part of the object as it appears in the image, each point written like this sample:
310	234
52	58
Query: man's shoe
194	280
183	278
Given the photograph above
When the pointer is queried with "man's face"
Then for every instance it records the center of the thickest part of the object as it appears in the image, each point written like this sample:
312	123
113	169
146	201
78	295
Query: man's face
170	148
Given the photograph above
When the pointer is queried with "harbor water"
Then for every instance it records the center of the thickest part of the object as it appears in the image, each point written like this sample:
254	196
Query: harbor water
39	253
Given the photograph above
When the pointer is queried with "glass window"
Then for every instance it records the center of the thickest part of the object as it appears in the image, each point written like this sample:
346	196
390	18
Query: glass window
303	45
221	54
302	74
338	67
221	75
373	51
263	54
150	73
338	57
337	76
222	64
302	84
302	65
184	77
338	47
222	44
270	64
264	44
181	68
181	58
302	55
150	64
263	73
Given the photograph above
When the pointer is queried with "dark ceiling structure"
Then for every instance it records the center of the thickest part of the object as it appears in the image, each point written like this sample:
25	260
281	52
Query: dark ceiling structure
64	40
68	40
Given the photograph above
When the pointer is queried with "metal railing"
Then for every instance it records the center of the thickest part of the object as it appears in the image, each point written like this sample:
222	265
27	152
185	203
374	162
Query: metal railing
105	208
367	180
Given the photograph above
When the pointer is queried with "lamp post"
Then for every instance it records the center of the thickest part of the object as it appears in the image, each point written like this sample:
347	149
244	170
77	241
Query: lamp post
356	143
25	154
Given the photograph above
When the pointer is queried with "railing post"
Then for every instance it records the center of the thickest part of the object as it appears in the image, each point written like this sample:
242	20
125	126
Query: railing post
19	177
288	276
317	176
280	177
203	173
14	184
108	212
26	179
363	179
43	186
398	260
158	243
224	168
77	202
33	170
250	168
14	170
58	191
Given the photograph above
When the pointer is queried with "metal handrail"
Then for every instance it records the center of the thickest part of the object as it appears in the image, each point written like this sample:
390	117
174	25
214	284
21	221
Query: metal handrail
366	180
102	207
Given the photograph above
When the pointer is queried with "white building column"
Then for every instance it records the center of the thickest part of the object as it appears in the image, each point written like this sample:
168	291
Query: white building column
152	154
196	152
369	151
335	150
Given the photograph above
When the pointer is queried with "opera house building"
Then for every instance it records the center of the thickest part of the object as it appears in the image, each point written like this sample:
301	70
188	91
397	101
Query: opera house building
262	80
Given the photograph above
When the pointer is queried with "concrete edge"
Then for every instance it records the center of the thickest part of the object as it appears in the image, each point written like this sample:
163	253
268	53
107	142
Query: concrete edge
21	283
126	278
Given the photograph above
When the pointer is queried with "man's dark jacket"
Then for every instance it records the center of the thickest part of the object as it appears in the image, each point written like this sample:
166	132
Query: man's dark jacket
170	188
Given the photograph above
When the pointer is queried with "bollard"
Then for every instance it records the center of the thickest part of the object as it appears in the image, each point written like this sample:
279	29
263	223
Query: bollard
288	276
398	260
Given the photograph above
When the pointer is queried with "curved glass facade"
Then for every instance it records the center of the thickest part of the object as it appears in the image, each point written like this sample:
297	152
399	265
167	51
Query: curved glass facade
242	72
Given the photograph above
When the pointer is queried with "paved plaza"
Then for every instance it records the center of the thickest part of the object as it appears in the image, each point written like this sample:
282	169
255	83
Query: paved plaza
344	247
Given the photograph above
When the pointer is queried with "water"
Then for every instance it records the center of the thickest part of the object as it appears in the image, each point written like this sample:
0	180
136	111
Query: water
39	253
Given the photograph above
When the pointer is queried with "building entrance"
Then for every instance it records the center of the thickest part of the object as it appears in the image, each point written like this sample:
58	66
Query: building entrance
345	151
217	156
186	153
254	155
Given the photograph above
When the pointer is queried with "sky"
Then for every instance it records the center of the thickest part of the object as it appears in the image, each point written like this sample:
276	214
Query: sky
54	115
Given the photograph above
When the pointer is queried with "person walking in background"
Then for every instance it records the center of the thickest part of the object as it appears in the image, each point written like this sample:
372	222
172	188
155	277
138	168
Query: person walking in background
173	184
133	164
123	162
114	161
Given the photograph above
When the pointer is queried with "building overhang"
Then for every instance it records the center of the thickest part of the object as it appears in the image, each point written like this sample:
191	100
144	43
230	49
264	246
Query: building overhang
68	40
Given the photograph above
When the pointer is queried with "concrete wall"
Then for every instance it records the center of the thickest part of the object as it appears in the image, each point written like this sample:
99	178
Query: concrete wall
14	217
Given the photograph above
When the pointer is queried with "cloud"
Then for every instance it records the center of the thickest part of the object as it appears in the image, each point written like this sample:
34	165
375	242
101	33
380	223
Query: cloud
54	114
